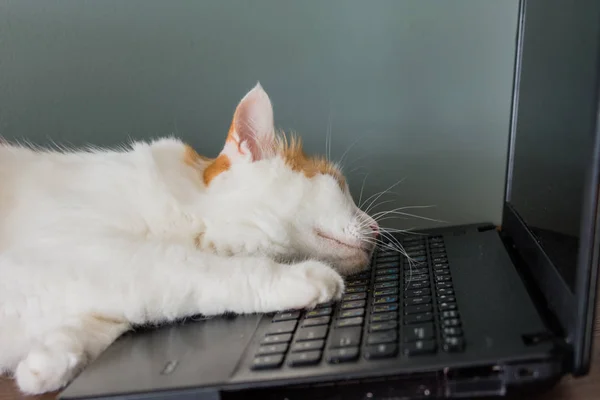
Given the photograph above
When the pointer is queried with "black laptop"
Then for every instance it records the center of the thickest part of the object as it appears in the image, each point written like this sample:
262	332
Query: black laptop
481	310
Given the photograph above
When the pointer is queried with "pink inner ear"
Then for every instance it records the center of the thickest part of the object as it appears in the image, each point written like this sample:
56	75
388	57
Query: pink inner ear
252	128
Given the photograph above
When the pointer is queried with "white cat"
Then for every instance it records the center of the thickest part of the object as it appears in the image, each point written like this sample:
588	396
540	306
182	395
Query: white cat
94	242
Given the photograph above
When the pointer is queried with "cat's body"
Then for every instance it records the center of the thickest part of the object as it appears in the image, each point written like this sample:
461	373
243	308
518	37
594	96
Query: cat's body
94	242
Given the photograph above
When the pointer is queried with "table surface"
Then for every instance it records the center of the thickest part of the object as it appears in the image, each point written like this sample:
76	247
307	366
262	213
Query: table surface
586	388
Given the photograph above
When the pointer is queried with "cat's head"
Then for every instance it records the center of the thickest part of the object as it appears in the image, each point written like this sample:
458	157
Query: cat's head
267	197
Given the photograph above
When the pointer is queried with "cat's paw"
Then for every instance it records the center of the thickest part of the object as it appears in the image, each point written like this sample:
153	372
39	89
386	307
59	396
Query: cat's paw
307	284
44	370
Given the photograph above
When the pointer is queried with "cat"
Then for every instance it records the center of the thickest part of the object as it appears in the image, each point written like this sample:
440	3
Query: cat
96	241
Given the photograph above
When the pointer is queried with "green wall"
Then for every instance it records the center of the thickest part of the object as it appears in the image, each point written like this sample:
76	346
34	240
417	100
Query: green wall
424	86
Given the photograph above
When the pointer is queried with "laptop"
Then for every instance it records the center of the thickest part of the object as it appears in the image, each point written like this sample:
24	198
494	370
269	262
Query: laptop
480	310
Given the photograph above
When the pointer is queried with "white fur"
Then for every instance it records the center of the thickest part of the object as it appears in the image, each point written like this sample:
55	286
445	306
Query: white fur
93	242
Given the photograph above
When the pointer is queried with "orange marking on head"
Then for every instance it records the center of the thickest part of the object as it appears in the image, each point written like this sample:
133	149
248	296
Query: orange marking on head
294	156
220	164
192	158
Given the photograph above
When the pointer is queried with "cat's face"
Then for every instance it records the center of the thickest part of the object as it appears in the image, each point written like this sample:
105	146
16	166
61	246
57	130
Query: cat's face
269	198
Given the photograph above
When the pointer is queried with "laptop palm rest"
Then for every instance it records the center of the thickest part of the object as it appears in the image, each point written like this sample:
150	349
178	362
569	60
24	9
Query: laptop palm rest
198	353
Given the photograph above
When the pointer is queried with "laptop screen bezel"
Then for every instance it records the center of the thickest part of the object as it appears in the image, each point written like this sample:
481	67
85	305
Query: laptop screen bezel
575	309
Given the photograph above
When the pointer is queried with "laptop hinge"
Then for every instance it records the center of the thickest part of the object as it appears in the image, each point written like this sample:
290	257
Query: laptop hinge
554	332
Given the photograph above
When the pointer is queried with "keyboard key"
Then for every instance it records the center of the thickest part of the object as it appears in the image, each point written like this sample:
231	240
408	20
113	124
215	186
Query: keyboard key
446	298
385	308
421	308
382	317
419	347
385	285
416	278
418	318
451	322
443	285
417	292
416	253
348	305
329	304
267	362
416	271
354	296
304	358
307	346
316	321
452	332
450	314
443	292
286	316
383	350
386	278
356	289
453	344
345	354
319	312
358	282
386	271
415	333
357	312
418	285
388	261
272	349
386	292
413	301
342	323
277	328
382	337
385	299
383	326
447	306
346	337
316	332
274	339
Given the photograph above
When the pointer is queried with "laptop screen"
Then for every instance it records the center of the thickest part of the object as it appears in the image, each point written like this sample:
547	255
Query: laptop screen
552	146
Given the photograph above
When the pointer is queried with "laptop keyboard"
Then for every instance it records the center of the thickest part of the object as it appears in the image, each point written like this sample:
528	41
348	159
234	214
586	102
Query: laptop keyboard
394	309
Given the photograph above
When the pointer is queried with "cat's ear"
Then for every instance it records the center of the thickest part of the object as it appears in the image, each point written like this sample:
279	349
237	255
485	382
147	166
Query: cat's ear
252	134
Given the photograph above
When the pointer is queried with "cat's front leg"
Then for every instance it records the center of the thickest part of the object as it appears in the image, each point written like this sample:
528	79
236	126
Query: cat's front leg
212	285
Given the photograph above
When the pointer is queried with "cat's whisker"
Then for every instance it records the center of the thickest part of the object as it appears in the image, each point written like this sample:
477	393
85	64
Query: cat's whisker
394	244
362	188
328	136
359	168
382	203
359	158
380	213
341	161
415	216
384	192
376	194
406	231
